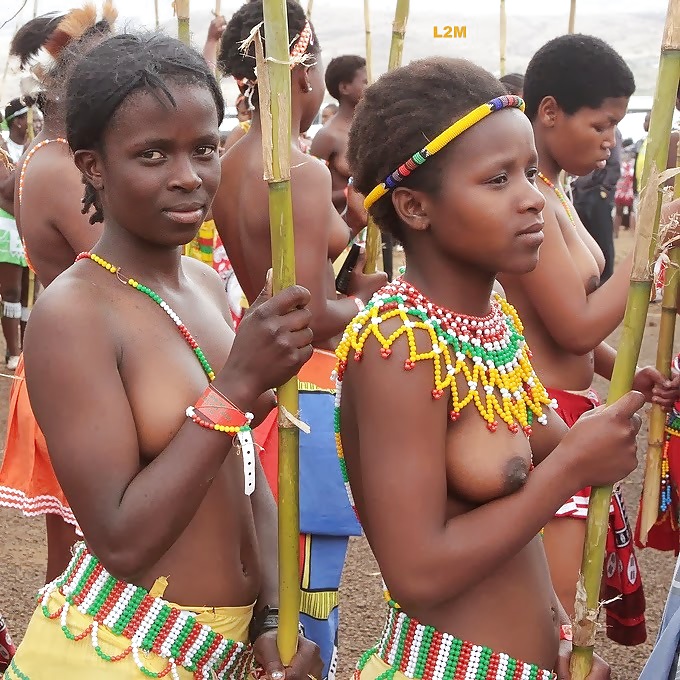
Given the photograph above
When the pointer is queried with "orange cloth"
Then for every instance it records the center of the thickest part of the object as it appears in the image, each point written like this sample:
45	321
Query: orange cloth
27	480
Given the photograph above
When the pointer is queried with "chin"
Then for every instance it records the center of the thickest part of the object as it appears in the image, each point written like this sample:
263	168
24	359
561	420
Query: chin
520	266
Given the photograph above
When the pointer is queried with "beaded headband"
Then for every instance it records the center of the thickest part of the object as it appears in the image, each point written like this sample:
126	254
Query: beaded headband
297	56
439	142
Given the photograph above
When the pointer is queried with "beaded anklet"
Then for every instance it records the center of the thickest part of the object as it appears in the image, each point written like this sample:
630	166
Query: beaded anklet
243	431
422	652
494	344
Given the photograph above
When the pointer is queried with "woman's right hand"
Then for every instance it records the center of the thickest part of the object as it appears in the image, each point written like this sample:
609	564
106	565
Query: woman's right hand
602	443
272	344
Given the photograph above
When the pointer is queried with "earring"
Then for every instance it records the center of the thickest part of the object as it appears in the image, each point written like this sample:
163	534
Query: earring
309	88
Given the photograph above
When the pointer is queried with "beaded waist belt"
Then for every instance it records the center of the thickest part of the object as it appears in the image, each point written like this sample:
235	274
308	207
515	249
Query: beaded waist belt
422	652
150	623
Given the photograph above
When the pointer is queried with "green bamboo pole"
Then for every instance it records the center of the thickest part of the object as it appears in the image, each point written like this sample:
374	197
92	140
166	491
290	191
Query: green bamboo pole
504	36
572	16
590	579
274	92
183	14
373	245
369	50
649	508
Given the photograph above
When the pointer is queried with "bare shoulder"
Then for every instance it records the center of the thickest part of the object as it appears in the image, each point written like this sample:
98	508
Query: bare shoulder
203	275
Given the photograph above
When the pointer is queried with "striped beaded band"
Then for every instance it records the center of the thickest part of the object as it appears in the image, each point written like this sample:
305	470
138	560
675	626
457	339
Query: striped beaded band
422	652
439	142
150	623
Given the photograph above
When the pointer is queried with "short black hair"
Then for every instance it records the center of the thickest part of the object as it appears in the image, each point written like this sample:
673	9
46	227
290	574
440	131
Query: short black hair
400	113
342	70
233	62
514	83
121	65
16	105
578	71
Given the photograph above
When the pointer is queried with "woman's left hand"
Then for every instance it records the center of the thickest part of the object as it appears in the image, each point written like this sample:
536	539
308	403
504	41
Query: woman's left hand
599	671
306	664
656	387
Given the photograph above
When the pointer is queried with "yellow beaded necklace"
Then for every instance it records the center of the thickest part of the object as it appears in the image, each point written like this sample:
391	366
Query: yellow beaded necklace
493	345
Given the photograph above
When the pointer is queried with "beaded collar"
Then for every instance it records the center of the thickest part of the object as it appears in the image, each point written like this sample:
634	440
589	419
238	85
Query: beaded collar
490	352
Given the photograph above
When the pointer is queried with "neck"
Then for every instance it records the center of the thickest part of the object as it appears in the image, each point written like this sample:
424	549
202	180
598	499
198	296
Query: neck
16	137
457	286
346	109
546	162
151	265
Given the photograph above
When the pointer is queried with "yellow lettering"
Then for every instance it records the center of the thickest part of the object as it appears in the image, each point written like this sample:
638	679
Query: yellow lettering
460	31
437	34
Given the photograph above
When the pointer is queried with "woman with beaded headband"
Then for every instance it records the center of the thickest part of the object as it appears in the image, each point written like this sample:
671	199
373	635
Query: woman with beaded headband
577	89
177	576
446	435
242	217
49	211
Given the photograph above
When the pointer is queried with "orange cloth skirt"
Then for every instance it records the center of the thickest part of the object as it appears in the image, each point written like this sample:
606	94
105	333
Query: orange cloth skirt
27	480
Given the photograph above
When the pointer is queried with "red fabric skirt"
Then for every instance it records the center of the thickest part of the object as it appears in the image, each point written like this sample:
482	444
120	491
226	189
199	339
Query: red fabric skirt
622	582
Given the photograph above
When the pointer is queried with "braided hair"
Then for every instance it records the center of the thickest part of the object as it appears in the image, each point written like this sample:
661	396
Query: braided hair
233	62
116	68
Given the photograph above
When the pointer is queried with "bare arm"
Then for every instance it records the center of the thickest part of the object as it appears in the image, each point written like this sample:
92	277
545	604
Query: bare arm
324	146
576	321
91	432
426	558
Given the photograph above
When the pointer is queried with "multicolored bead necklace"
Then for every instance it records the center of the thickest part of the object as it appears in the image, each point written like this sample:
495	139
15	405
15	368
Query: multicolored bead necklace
672	430
493	345
560	195
161	303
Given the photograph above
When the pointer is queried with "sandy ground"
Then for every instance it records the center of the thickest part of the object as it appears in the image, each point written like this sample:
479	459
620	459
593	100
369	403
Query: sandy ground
23	555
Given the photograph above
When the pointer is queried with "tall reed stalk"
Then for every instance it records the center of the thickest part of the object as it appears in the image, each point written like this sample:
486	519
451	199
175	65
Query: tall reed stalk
274	89
590	579
369	49
572	16
396	53
504	36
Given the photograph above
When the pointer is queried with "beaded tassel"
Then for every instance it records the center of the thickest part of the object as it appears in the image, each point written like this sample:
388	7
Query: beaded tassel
490	353
560	195
672	430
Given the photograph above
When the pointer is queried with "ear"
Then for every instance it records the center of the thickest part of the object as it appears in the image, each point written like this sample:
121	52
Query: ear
548	111
300	79
89	163
411	208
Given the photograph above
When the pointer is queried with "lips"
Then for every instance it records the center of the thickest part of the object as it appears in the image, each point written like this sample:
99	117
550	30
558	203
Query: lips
532	229
186	213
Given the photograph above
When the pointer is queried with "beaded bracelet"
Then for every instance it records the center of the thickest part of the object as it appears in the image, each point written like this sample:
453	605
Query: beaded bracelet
214	411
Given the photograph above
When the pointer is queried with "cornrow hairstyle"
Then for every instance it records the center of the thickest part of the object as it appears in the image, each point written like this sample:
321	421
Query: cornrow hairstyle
578	71
400	113
342	70
233	62
138	62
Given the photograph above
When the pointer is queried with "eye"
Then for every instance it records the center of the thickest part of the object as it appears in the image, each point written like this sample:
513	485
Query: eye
499	179
532	174
206	150
152	155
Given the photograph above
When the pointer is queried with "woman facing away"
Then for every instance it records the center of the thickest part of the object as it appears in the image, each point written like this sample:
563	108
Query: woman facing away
48	208
241	213
454	456
577	89
140	432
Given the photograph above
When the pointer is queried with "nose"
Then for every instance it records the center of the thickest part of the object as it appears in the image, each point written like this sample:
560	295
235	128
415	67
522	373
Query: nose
532	199
609	139
184	175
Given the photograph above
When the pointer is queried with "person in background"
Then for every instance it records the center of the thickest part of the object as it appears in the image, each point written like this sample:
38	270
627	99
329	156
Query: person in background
513	83
594	202
624	197
328	112
346	80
